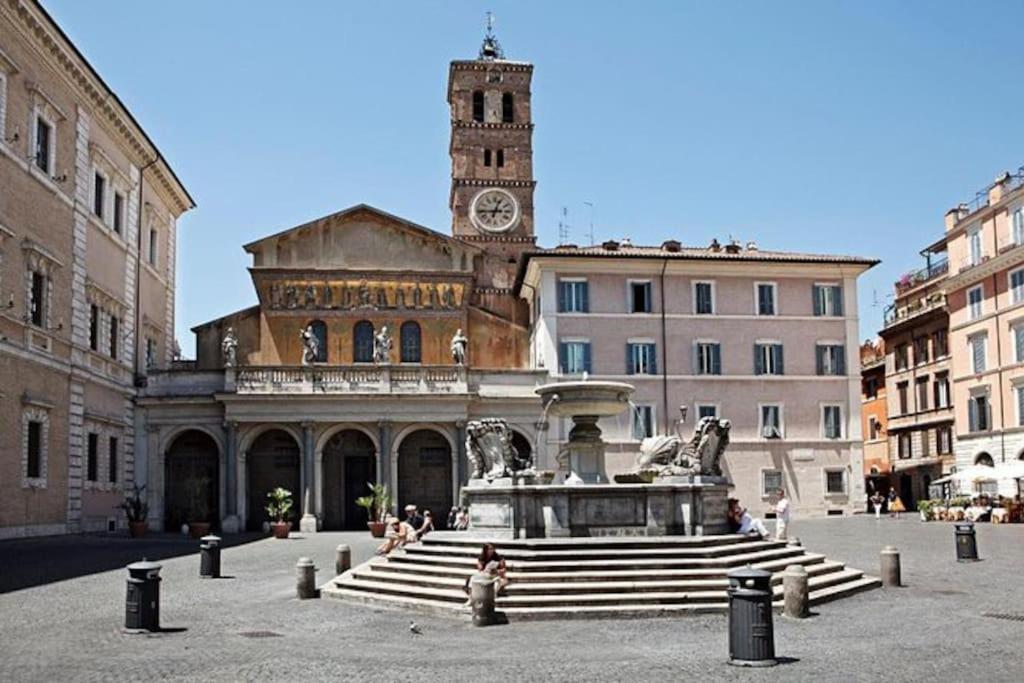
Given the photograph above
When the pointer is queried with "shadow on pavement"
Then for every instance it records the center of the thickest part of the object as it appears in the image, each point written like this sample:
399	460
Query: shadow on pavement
29	562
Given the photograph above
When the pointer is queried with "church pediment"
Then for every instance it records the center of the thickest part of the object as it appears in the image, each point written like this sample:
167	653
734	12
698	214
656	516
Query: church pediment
362	238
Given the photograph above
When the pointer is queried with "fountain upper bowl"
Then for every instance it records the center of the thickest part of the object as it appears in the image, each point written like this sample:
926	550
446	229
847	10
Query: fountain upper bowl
586	397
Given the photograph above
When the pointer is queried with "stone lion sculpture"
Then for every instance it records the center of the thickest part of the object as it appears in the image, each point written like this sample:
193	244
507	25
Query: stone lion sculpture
668	455
490	450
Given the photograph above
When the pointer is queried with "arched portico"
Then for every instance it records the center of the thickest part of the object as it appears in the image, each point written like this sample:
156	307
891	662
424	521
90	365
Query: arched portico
320	494
272	458
191	478
424	468
345	465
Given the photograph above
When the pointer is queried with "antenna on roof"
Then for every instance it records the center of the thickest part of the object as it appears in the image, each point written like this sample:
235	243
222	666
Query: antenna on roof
563	227
591	205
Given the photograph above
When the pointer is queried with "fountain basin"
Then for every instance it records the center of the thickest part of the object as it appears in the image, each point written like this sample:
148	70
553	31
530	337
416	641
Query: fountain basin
585	397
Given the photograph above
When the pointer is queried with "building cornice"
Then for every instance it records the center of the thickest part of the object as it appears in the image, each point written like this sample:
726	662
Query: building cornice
492	182
38	27
491	125
985	269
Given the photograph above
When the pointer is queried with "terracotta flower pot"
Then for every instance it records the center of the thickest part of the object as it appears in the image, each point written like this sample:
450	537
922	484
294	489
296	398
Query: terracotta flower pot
137	529
376	529
281	529
198	529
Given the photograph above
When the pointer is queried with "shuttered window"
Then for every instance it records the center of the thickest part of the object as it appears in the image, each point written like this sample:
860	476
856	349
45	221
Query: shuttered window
830	359
573	296
828	300
978	354
641	359
765	299
832	423
704	298
708	358
574	357
768	359
771	422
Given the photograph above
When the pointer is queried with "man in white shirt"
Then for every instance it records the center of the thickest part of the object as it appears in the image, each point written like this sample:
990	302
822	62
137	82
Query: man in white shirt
782	508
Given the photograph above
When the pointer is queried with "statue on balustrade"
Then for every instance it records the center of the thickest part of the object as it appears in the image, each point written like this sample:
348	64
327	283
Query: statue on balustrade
490	450
229	348
310	345
459	344
672	456
382	346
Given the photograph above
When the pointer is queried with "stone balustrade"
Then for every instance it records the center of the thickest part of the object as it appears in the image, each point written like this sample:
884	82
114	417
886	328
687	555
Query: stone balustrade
376	379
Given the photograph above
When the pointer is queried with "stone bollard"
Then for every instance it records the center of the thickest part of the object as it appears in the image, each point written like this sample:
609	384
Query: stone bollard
482	593
305	583
796	591
342	559
890	567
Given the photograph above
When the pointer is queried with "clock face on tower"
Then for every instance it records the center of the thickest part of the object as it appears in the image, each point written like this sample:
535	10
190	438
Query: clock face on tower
494	210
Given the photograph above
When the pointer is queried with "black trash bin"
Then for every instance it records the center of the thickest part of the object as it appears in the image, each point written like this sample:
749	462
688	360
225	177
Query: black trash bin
966	542
751	632
209	557
142	604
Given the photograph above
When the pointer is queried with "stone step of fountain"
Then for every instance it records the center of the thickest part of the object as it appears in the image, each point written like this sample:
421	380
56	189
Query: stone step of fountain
409	555
582	553
569	583
463	539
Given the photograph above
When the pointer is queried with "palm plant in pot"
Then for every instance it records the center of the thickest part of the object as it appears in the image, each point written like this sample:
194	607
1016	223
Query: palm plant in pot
377	506
198	507
278	508
136	510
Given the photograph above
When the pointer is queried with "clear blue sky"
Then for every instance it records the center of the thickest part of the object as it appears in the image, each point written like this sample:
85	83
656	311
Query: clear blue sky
846	127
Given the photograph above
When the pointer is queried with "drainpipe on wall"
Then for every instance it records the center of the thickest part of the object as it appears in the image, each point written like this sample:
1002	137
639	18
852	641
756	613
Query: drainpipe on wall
664	349
140	377
999	375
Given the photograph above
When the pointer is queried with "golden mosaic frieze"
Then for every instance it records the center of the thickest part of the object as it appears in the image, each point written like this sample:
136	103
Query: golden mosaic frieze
379	295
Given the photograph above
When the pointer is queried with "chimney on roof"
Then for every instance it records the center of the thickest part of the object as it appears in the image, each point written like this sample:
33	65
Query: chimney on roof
998	188
626	242
733	247
715	246
610	245
671	246
751	246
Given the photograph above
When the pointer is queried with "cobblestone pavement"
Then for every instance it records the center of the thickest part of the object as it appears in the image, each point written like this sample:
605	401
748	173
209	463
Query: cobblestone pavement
933	628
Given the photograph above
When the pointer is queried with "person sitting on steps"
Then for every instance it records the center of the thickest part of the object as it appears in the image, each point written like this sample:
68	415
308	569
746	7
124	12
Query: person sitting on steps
491	563
740	521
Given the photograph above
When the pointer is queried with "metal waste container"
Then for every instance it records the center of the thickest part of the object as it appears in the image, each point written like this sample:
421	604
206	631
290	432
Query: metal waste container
209	557
142	604
751	632
966	542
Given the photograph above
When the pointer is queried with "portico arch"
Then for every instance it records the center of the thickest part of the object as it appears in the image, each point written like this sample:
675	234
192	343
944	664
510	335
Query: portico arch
984	459
424	467
346	464
272	459
191	478
318	459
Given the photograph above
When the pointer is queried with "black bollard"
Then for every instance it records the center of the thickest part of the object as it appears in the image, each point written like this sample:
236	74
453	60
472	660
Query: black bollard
751	632
966	542
209	557
142	604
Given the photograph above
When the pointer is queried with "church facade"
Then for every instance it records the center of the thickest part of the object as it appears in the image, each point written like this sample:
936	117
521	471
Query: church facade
375	340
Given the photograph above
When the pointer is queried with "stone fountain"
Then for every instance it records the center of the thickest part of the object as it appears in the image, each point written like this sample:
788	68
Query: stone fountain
675	489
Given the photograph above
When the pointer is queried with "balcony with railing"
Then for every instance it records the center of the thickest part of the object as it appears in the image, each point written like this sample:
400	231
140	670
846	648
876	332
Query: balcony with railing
349	379
919	277
896	315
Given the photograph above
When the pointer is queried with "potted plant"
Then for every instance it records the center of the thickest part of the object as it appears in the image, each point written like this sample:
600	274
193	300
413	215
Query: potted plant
377	505
278	508
198	507
924	507
136	510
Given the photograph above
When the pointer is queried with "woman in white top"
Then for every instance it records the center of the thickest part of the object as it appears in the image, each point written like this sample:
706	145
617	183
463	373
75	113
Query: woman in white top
782	508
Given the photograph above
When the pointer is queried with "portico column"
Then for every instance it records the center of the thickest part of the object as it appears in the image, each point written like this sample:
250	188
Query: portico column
460	457
230	523
155	479
384	433
308	522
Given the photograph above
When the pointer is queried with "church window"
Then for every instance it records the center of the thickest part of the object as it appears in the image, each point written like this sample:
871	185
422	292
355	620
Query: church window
412	348
320	332
362	347
501	158
478	105
487	157
507	108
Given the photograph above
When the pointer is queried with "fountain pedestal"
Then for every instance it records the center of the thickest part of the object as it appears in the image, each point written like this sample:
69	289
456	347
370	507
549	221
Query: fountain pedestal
679	506
585	450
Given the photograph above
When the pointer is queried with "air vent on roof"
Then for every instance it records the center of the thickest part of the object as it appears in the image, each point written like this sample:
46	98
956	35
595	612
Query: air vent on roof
732	248
715	246
751	246
671	245
610	245
626	242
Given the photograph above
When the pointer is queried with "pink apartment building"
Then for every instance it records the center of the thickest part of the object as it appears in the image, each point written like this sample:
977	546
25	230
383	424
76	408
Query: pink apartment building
985	292
766	339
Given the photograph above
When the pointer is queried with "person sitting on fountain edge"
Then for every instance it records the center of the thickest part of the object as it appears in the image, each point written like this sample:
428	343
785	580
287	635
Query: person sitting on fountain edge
740	521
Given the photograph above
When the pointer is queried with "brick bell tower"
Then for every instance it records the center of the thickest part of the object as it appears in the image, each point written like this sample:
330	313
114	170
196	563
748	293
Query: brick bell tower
492	166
